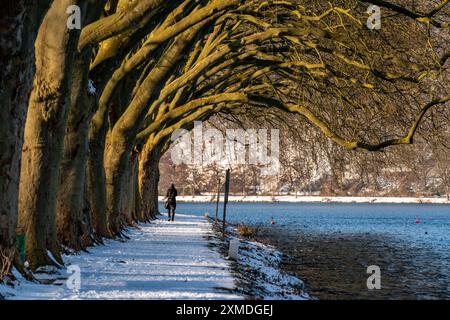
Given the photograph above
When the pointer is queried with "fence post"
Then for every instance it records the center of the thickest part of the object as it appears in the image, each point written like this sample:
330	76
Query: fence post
225	201
217	201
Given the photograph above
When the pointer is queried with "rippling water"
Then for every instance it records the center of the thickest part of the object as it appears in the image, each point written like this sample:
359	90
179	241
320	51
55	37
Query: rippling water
331	245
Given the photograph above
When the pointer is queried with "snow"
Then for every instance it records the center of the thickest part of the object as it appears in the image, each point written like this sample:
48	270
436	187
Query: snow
92	90
161	260
262	262
315	199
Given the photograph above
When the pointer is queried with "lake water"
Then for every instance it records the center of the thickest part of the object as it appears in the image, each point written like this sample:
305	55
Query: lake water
331	245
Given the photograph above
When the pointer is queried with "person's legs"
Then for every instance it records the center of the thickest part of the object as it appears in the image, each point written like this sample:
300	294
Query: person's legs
173	213
168	212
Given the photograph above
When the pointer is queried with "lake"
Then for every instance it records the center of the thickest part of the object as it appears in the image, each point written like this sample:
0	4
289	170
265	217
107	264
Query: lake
330	245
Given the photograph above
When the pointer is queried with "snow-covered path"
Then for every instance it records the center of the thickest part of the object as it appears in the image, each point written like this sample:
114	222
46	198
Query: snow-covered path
161	260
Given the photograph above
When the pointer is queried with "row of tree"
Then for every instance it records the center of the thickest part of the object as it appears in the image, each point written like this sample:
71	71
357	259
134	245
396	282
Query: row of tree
86	113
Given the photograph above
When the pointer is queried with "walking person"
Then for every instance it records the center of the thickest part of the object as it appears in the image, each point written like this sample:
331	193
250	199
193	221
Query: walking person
171	202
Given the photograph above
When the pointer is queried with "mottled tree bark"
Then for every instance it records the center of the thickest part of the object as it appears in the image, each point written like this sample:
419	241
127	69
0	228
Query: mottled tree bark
96	180
44	134
19	21
73	218
138	217
74	229
96	177
149	179
129	200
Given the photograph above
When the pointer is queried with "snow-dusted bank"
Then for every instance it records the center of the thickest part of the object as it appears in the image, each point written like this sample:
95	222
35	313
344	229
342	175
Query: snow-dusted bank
259	267
315	199
161	260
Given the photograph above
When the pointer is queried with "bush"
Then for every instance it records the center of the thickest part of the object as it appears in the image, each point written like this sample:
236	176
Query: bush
246	231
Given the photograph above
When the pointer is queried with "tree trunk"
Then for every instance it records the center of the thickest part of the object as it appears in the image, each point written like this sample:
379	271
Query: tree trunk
138	217
149	180
73	218
128	200
96	176
96	180
19	22
73	226
116	162
44	133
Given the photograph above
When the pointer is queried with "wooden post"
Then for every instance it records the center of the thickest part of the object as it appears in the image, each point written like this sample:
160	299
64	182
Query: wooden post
225	201
217	200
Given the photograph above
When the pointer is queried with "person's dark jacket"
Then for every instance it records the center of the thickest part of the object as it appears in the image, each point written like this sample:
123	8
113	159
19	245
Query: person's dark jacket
171	196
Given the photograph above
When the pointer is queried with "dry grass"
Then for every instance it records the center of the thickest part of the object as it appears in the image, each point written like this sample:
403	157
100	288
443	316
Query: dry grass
5	263
246	231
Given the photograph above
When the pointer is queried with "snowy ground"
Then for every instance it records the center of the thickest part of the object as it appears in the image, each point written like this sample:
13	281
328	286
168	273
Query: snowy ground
260	265
161	260
315	199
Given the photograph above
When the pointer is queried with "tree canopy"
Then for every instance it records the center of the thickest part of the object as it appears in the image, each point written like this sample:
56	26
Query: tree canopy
105	99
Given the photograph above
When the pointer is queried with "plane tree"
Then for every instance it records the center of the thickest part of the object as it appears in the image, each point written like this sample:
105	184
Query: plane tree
106	98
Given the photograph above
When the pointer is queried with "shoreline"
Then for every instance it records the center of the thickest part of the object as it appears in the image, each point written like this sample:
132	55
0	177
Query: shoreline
314	199
258	269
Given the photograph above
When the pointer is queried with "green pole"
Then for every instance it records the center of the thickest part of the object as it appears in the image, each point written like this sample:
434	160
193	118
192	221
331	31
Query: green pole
21	245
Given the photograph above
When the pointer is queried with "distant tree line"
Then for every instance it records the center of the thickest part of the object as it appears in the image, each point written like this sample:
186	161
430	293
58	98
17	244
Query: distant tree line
313	165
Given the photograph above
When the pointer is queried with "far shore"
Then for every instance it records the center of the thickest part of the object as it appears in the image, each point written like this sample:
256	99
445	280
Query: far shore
313	199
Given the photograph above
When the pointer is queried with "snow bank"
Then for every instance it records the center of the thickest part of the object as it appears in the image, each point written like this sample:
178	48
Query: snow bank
315	199
258	270
261	264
